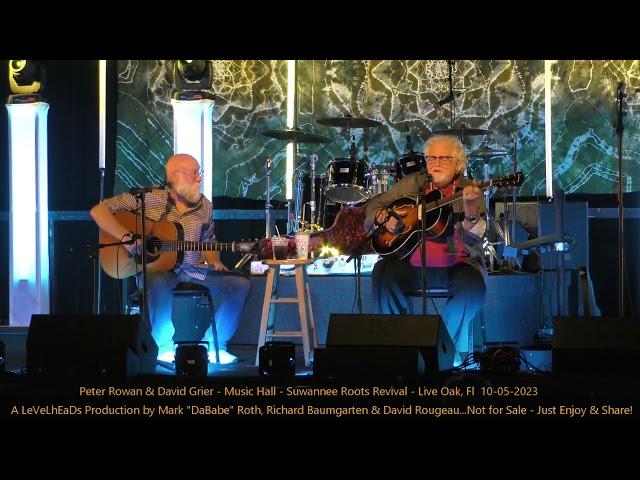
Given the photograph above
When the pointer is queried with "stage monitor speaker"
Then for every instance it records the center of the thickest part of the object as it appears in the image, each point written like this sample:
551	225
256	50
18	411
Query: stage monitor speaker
368	364
90	346
427	333
602	345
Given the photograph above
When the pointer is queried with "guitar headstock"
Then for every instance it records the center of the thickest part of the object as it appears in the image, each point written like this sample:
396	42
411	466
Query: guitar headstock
244	247
514	180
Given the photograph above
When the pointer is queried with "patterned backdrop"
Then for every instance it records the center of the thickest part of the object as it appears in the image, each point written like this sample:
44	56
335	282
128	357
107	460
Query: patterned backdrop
504	97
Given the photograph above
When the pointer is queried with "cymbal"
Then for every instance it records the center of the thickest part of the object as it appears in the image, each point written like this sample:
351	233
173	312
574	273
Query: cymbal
487	152
291	134
462	131
348	122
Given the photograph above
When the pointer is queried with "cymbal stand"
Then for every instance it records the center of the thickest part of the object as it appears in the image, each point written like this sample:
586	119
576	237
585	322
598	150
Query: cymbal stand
298	201
312	202
267	202
509	232
515	169
453	101
493	256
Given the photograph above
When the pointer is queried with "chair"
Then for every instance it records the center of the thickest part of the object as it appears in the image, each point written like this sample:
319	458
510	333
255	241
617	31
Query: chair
443	292
191	314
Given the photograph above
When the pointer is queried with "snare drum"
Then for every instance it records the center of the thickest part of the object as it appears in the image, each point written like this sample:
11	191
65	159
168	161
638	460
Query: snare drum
411	163
346	180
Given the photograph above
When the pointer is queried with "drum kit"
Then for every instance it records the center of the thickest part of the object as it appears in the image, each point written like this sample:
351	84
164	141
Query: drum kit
351	180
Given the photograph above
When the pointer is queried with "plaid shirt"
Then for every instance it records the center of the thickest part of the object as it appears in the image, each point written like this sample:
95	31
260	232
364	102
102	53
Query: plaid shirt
197	223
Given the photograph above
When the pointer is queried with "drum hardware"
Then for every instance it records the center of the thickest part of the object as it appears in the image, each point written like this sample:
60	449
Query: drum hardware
346	176
307	182
509	231
312	202
462	131
297	135
487	152
349	122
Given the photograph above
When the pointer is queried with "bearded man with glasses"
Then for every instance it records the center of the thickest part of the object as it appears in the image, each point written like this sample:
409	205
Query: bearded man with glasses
180	201
453	259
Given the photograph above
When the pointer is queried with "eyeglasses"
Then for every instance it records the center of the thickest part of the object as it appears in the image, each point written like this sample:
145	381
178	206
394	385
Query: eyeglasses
442	159
199	173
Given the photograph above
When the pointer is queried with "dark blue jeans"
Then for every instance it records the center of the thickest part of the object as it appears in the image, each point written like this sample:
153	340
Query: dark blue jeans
394	280
231	293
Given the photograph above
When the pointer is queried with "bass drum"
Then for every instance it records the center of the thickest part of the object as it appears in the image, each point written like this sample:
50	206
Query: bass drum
346	180
408	164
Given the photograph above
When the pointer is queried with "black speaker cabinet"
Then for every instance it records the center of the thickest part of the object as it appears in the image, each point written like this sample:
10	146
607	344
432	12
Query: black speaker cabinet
90	346
426	333
368	364
602	345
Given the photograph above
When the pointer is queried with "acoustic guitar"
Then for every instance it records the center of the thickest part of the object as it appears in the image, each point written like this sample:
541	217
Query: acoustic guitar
165	247
437	218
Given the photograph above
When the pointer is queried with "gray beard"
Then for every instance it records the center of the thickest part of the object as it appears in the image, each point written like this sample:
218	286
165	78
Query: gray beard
191	195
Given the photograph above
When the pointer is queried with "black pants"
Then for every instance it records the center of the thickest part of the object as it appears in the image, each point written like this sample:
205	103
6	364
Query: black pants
394	280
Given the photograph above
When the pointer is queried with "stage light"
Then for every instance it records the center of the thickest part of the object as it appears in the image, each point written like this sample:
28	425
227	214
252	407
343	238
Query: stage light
191	358
193	116
28	224
26	76
277	359
191	75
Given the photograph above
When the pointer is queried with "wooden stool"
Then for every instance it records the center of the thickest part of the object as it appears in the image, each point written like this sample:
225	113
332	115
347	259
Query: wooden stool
303	299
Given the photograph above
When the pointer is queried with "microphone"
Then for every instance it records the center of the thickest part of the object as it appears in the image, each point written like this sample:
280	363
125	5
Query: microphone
132	240
140	190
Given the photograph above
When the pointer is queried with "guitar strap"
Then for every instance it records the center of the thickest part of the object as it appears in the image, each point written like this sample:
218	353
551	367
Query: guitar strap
167	207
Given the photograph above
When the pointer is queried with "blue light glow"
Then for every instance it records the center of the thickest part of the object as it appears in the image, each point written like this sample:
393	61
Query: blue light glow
29	227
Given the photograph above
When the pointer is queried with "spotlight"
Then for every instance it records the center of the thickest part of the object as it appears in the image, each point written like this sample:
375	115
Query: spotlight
277	359
190	78
26	76
192	358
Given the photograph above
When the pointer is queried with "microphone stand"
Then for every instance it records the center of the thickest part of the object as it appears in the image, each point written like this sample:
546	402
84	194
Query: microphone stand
356	254
144	304
93	255
619	131
97	272
423	246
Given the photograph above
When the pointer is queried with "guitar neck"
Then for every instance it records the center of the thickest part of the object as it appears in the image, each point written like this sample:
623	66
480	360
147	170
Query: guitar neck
456	196
181	246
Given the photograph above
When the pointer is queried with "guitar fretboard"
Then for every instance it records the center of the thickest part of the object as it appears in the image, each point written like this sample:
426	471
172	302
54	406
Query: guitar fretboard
178	246
447	200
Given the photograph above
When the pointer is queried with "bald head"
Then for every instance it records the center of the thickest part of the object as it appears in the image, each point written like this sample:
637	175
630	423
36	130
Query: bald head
181	161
